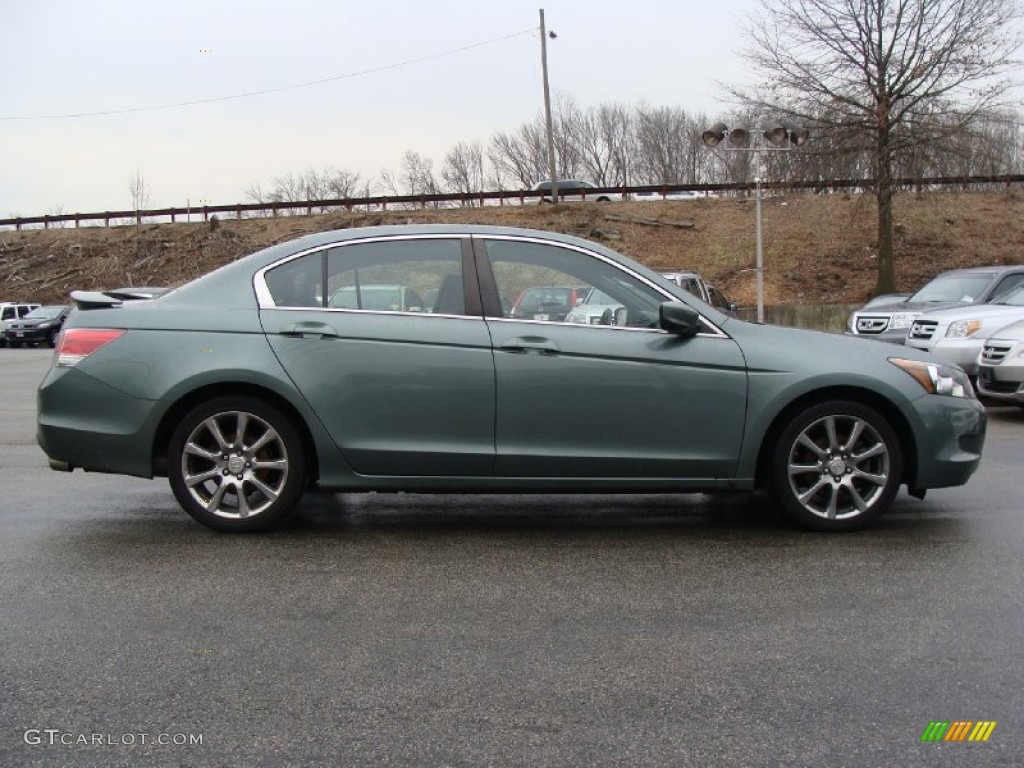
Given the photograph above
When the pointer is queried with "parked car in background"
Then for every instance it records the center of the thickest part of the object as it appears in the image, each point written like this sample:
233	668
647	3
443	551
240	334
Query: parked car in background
547	302
393	298
575	191
675	397
656	195
890	321
1001	365
40	325
957	335
596	308
694	284
11	311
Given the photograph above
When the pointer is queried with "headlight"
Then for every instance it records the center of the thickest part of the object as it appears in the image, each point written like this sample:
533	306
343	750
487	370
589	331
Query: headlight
42	326
902	320
961	329
937	379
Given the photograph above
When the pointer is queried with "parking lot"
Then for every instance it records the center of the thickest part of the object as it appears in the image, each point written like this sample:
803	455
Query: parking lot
509	631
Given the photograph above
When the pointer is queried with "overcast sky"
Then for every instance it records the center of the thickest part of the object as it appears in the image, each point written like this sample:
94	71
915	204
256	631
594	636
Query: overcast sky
71	57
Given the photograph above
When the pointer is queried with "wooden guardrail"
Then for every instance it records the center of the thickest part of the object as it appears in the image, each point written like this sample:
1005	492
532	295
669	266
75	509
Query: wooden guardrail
519	197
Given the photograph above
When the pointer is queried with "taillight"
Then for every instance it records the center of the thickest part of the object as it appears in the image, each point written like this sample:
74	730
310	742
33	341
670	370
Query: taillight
76	344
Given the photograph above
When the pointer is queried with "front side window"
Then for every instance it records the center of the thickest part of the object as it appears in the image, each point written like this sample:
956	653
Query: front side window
1006	286
547	283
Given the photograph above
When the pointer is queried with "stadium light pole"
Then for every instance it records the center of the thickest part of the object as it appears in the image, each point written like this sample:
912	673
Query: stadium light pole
547	105
782	137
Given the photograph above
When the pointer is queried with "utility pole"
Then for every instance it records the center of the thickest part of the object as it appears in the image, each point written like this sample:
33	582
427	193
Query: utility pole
547	108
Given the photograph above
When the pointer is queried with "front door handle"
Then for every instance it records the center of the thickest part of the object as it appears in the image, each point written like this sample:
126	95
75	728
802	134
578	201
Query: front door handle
531	344
309	329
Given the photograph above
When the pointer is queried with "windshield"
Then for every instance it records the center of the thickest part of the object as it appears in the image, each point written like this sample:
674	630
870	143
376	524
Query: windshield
43	312
965	288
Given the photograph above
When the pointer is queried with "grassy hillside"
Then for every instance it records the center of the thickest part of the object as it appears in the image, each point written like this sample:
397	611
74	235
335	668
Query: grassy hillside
818	248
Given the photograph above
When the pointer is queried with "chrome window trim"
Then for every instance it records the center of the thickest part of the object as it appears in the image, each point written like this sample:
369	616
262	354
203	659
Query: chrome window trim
266	301
714	332
384	312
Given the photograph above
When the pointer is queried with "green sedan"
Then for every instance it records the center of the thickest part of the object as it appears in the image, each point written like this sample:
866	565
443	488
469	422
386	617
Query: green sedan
252	383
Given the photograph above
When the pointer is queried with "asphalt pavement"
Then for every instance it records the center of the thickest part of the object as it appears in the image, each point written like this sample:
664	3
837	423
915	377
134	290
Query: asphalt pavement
409	630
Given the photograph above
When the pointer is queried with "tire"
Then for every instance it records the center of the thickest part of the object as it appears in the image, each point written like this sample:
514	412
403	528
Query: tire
206	465
836	466
51	338
14	344
3	342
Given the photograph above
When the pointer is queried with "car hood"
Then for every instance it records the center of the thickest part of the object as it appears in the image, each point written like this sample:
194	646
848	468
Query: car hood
973	312
912	306
1012	332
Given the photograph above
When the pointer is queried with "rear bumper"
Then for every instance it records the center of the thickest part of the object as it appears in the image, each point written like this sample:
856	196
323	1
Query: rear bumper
84	423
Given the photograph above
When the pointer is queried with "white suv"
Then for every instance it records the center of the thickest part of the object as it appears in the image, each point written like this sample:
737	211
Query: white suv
11	311
576	191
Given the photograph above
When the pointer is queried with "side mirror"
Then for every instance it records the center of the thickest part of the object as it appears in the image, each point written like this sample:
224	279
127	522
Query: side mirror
678	318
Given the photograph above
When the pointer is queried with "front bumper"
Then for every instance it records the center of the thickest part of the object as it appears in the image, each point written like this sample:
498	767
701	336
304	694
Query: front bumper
891	337
27	335
1002	382
949	436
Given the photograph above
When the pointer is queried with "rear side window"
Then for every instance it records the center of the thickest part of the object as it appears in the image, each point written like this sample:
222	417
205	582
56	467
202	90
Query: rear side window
390	275
397	276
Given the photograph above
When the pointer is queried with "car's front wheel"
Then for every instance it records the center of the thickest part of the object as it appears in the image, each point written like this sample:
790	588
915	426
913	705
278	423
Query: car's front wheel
51	338
836	466
236	464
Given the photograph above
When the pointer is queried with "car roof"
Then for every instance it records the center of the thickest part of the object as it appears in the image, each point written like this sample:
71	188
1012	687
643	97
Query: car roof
990	270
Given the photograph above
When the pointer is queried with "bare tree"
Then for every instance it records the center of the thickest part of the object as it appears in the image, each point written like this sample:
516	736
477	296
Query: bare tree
139	192
873	67
415	177
463	168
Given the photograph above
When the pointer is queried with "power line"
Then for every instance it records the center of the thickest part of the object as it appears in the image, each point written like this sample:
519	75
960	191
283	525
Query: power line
279	89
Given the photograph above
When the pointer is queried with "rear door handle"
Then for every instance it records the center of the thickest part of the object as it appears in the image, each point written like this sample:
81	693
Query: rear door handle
309	329
531	344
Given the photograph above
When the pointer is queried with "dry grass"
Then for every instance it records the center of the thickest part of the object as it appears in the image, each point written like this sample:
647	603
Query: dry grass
818	249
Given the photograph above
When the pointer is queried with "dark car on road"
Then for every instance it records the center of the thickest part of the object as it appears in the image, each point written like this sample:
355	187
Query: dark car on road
891	321
41	325
245	386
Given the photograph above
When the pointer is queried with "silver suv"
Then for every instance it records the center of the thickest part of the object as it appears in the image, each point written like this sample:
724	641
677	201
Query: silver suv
11	311
1001	365
890	321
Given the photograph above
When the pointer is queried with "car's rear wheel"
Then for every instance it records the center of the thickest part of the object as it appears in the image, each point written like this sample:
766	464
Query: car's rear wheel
236	464
836	466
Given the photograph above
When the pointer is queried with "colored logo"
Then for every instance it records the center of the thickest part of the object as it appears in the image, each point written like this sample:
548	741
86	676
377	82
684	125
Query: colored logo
958	730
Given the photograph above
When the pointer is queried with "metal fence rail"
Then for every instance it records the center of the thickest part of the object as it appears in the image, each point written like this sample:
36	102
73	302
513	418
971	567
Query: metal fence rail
505	197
